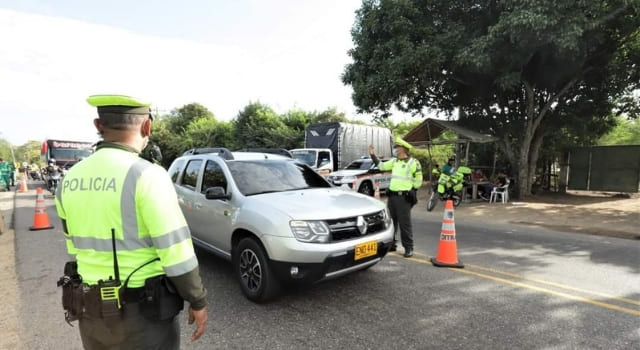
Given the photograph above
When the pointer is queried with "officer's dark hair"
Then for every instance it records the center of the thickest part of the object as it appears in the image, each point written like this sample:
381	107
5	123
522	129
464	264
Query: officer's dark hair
121	121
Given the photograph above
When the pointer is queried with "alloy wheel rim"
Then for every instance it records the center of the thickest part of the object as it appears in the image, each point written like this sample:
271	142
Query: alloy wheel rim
250	270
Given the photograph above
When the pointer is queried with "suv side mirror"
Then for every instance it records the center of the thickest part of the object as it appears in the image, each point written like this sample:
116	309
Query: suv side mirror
216	193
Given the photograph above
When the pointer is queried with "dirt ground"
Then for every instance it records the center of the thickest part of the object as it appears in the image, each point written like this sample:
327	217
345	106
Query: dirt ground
599	213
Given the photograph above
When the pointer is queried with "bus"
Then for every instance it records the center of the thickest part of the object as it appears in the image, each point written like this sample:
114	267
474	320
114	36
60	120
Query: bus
65	153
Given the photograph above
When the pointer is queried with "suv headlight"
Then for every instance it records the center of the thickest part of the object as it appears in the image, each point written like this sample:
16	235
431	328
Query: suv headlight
348	179
310	231
386	217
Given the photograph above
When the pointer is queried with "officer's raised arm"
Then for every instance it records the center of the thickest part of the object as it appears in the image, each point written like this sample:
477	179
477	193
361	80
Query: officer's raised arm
372	154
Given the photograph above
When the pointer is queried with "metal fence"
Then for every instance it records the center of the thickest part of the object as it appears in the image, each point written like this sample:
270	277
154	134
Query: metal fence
605	168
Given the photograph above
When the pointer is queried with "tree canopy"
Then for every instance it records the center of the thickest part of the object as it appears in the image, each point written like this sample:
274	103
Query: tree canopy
520	70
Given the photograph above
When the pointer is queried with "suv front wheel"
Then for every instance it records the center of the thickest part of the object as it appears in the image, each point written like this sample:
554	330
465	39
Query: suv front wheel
252	268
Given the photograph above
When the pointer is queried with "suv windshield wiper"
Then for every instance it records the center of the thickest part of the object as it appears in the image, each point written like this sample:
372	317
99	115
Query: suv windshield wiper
263	192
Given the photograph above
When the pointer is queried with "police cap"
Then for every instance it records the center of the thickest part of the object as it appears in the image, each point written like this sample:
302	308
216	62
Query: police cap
402	143
119	104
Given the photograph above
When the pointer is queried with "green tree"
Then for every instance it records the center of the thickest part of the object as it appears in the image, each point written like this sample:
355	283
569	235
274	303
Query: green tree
626	132
509	66
180	118
257	125
329	115
297	121
29	152
5	150
208	132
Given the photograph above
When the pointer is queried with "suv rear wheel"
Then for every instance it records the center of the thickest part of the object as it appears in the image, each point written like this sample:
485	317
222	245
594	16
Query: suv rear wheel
256	279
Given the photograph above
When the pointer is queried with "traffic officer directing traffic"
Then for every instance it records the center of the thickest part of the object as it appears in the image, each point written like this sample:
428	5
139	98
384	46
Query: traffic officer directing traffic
121	217
406	179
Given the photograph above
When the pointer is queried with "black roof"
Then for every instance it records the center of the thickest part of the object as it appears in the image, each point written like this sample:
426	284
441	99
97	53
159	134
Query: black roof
278	151
221	151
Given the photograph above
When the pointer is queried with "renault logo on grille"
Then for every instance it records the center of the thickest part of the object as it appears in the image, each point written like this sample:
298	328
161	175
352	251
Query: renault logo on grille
362	225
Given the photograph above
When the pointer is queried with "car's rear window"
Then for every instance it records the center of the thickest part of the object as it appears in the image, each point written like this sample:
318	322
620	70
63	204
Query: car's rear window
260	176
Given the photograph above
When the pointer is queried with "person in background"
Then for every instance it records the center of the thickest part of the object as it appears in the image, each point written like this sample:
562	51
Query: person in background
14	167
406	179
484	190
501	178
5	172
449	167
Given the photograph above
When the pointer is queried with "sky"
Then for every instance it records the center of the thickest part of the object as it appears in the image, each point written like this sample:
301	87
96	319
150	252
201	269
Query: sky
222	54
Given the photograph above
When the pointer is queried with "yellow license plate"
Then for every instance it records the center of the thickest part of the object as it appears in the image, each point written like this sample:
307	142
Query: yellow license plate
365	249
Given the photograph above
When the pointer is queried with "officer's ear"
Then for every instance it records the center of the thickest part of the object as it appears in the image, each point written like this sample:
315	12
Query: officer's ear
145	128
98	125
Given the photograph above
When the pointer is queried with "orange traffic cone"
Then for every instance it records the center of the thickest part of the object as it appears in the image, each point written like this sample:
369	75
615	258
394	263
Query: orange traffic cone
40	218
447	249
376	194
23	185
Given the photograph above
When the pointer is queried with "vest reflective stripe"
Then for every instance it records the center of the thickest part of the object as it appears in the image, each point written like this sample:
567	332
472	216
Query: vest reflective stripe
127	200
181	268
105	245
171	238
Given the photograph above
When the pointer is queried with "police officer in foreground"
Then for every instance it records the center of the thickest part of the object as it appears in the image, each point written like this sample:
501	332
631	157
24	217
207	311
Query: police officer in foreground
406	179
134	258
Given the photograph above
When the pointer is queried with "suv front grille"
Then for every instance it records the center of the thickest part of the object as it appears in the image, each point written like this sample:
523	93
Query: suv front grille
347	228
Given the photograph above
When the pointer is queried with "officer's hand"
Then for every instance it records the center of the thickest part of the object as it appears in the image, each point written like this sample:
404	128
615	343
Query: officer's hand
200	317
371	149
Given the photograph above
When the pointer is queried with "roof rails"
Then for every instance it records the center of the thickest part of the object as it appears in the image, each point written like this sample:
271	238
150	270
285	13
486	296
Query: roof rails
278	151
221	152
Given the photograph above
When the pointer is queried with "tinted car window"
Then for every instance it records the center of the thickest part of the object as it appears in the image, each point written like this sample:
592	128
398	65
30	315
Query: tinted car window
323	158
360	165
213	176
190	177
174	171
255	177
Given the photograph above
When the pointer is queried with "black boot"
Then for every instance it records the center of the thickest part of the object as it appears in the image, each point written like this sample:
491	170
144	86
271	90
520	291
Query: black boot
393	247
408	252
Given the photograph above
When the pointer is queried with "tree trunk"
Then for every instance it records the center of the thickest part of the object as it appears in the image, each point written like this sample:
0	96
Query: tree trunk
525	145
534	153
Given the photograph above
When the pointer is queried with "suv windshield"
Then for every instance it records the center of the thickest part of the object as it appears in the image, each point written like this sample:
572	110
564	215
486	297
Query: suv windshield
360	165
259	176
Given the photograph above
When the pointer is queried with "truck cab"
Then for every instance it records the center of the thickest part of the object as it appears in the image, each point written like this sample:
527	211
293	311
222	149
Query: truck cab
319	159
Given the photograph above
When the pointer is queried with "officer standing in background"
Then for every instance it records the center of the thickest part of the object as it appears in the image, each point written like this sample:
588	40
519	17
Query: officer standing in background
5	171
406	179
120	217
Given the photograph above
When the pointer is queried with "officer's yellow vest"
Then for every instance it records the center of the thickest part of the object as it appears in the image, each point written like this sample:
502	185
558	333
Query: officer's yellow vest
114	188
405	173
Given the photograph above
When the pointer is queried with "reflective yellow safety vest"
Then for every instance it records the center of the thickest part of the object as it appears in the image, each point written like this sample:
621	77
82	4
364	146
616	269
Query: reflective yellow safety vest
114	188
405	173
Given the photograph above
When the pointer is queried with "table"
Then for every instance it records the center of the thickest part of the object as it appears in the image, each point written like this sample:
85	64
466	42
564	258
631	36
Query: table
474	188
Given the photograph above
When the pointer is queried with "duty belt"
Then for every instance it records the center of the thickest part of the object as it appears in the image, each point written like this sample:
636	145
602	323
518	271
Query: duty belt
133	295
398	193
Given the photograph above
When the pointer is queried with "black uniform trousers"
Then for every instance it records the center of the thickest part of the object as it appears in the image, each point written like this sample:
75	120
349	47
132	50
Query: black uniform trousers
132	331
400	210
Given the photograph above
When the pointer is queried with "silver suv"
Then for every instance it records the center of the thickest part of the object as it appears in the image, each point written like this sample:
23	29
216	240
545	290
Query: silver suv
277	220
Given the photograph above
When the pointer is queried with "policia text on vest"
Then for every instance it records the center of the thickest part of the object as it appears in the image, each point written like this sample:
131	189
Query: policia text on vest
90	184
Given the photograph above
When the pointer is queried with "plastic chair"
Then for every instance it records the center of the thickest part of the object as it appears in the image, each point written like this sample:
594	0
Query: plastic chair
500	191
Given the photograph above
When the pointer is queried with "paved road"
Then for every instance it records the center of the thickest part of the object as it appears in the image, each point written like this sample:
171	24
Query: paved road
521	287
